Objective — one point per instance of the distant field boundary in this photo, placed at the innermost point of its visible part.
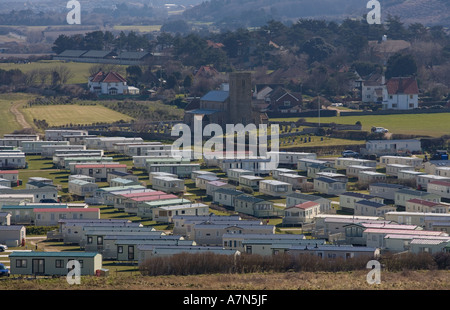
(395, 112)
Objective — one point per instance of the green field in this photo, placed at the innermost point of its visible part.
(434, 125)
(7, 120)
(57, 115)
(79, 70)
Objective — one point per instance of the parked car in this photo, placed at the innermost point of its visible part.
(3, 248)
(4, 271)
(350, 153)
(379, 130)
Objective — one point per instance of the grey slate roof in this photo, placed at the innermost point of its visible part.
(216, 95)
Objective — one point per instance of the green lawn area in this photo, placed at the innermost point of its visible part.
(433, 124)
(79, 70)
(8, 121)
(57, 115)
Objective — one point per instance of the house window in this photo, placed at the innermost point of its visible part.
(59, 263)
(120, 249)
(89, 240)
(99, 240)
(21, 263)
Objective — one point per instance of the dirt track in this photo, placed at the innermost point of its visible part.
(19, 116)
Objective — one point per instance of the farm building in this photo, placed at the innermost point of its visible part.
(12, 235)
(372, 208)
(391, 147)
(53, 263)
(275, 188)
(166, 214)
(168, 184)
(354, 170)
(393, 169)
(423, 180)
(250, 181)
(369, 177)
(253, 206)
(403, 195)
(344, 162)
(301, 213)
(298, 198)
(412, 161)
(98, 171)
(329, 186)
(82, 188)
(50, 216)
(441, 188)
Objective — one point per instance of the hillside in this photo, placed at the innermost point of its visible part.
(427, 12)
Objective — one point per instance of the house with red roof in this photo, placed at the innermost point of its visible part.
(110, 83)
(301, 213)
(401, 93)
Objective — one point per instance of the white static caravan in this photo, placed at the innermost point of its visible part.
(403, 195)
(291, 158)
(98, 171)
(144, 148)
(275, 188)
(423, 180)
(13, 160)
(250, 181)
(372, 208)
(47, 151)
(202, 180)
(180, 170)
(168, 184)
(278, 171)
(440, 188)
(259, 165)
(354, 170)
(298, 181)
(348, 199)
(418, 205)
(160, 174)
(234, 174)
(415, 218)
(225, 196)
(301, 214)
(314, 169)
(11, 175)
(393, 169)
(53, 263)
(442, 171)
(35, 147)
(369, 177)
(392, 147)
(50, 216)
(329, 186)
(82, 188)
(197, 173)
(304, 163)
(149, 162)
(408, 176)
(165, 214)
(59, 134)
(122, 147)
(344, 162)
(413, 161)
(107, 143)
(211, 187)
(253, 206)
(59, 159)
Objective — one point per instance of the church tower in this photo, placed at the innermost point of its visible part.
(240, 98)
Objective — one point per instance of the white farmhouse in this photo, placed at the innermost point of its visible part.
(111, 83)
